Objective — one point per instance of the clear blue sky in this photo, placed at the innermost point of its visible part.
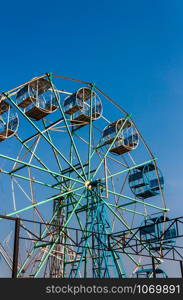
(133, 50)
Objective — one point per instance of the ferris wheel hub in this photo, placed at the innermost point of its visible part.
(87, 184)
(93, 184)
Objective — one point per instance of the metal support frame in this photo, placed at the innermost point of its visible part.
(80, 240)
(126, 240)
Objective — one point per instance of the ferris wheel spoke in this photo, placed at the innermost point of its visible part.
(56, 157)
(42, 202)
(38, 168)
(33, 154)
(134, 200)
(131, 168)
(14, 169)
(54, 151)
(68, 129)
(90, 133)
(47, 128)
(118, 207)
(36, 211)
(13, 180)
(117, 161)
(122, 188)
(28, 179)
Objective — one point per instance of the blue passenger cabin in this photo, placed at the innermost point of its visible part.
(37, 99)
(8, 121)
(158, 233)
(148, 273)
(146, 181)
(72, 104)
(126, 140)
(78, 106)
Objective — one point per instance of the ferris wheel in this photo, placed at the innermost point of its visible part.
(74, 171)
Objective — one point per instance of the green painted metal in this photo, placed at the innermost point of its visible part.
(127, 209)
(41, 202)
(67, 126)
(81, 226)
(131, 168)
(137, 201)
(120, 267)
(38, 168)
(43, 245)
(102, 261)
(28, 179)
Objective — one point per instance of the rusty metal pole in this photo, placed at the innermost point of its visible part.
(16, 248)
(181, 268)
(154, 268)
